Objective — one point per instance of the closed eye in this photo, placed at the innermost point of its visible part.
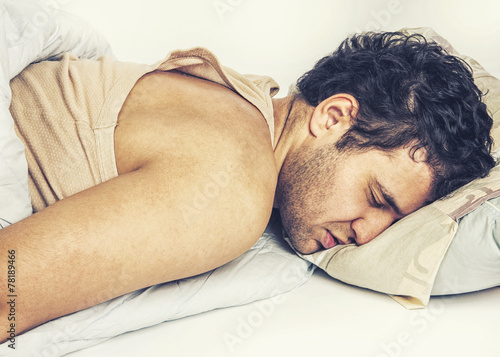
(373, 201)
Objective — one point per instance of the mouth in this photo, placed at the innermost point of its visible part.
(329, 241)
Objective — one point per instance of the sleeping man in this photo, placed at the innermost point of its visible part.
(145, 174)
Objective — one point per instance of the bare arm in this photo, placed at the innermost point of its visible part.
(133, 231)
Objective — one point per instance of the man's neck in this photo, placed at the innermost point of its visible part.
(289, 126)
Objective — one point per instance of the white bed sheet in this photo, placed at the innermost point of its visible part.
(324, 318)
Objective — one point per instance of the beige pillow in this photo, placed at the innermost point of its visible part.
(403, 261)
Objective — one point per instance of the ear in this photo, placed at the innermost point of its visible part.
(334, 114)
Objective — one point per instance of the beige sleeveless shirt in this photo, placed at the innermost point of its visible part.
(66, 112)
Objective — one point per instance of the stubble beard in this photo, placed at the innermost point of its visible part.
(303, 184)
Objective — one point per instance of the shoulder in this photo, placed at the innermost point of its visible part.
(210, 140)
(165, 109)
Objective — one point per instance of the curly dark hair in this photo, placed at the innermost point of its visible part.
(411, 92)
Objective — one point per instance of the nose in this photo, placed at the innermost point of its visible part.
(368, 227)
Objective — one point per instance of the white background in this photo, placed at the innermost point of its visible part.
(282, 38)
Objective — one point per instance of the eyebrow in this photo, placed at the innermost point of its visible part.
(389, 199)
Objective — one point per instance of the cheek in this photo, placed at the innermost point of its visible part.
(345, 198)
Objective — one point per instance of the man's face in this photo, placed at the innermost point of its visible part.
(329, 198)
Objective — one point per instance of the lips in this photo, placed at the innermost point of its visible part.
(329, 241)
